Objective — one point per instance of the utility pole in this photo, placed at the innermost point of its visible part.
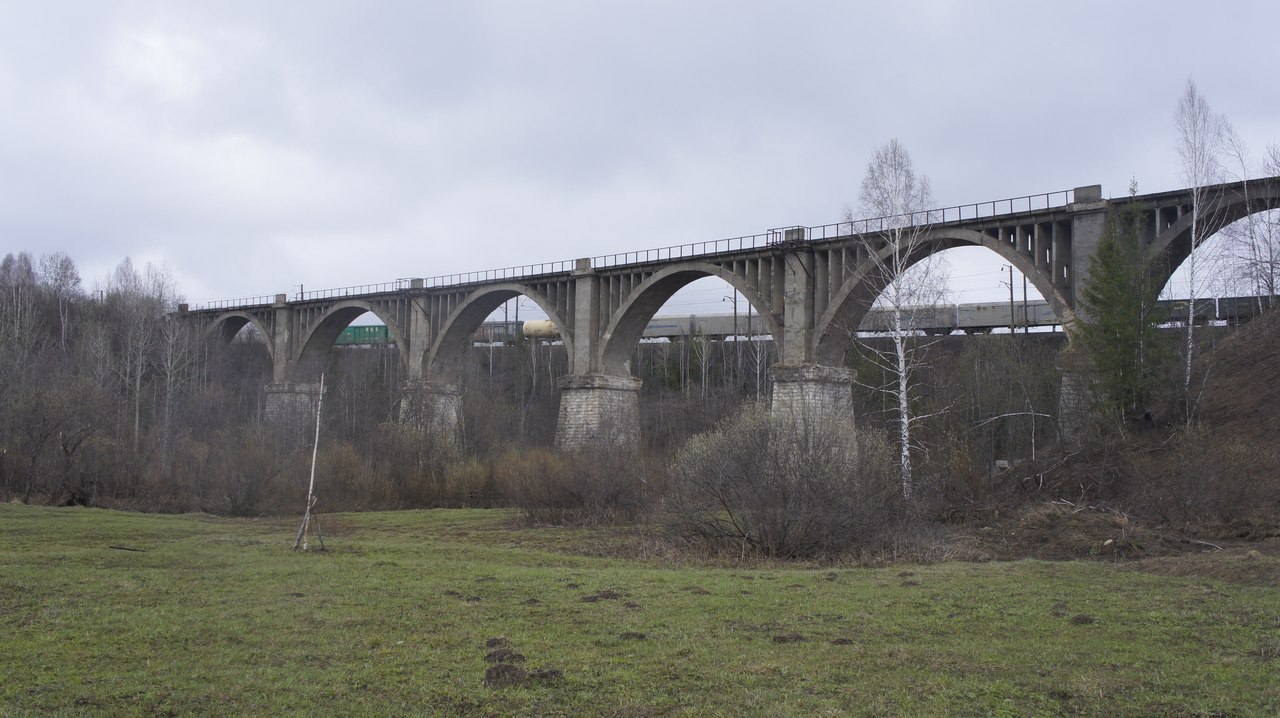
(1026, 320)
(1012, 318)
(737, 347)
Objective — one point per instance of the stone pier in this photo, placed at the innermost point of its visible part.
(1075, 394)
(435, 407)
(290, 403)
(812, 396)
(811, 390)
(598, 410)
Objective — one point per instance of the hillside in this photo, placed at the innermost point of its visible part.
(1241, 396)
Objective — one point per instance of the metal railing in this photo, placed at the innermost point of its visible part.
(682, 251)
(231, 303)
(946, 215)
(353, 290)
(942, 216)
(493, 275)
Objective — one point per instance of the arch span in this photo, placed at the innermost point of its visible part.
(453, 337)
(323, 335)
(1226, 204)
(627, 324)
(859, 292)
(226, 326)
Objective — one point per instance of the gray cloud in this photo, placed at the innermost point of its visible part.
(256, 146)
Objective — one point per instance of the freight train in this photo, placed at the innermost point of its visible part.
(939, 320)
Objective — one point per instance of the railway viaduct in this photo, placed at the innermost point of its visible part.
(810, 285)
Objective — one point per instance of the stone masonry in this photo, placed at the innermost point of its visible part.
(811, 391)
(598, 410)
(435, 407)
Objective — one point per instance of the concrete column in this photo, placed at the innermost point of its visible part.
(1088, 220)
(586, 319)
(435, 407)
(797, 289)
(419, 329)
(281, 323)
(598, 409)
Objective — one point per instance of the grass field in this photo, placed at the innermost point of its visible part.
(214, 616)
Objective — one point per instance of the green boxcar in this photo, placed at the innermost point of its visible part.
(355, 336)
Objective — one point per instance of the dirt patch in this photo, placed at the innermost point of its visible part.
(1061, 530)
(606, 595)
(789, 638)
(504, 672)
(842, 641)
(503, 675)
(1082, 619)
(503, 655)
(632, 636)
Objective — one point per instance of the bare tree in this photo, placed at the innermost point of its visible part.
(175, 362)
(1253, 242)
(911, 274)
(140, 302)
(1200, 141)
(59, 276)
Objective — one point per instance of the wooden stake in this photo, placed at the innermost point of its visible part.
(308, 516)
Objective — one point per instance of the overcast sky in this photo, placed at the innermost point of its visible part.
(255, 146)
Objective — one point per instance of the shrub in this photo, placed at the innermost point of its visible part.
(762, 483)
(1202, 481)
(589, 487)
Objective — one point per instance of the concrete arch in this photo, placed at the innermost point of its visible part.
(860, 291)
(453, 337)
(627, 324)
(1226, 205)
(322, 337)
(225, 327)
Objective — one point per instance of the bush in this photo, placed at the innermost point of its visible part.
(1203, 482)
(590, 487)
(760, 483)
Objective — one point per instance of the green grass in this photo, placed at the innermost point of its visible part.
(220, 617)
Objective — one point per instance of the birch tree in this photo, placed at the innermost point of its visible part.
(1253, 243)
(912, 276)
(61, 279)
(1200, 140)
(139, 302)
